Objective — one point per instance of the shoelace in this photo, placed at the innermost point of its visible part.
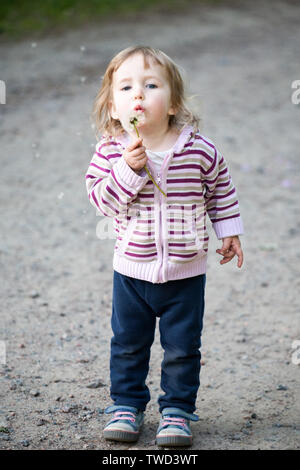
(118, 415)
(167, 421)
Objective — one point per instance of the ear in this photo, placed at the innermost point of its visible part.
(112, 110)
(172, 110)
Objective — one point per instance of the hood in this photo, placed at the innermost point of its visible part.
(185, 136)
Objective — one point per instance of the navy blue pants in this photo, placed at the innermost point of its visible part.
(136, 304)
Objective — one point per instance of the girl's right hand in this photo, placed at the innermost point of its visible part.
(135, 155)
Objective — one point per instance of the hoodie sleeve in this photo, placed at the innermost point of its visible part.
(111, 183)
(221, 198)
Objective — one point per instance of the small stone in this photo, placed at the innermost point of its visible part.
(282, 387)
(96, 384)
(34, 294)
(244, 431)
(34, 393)
(69, 408)
(264, 284)
(254, 416)
(41, 422)
(25, 443)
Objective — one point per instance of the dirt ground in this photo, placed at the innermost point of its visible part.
(57, 275)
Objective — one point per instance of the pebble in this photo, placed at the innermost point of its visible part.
(96, 384)
(34, 393)
(41, 422)
(34, 294)
(282, 387)
(25, 443)
(69, 408)
(244, 431)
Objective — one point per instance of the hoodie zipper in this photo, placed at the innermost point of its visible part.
(160, 231)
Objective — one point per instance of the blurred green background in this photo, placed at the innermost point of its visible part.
(21, 18)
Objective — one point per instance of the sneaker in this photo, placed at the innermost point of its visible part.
(174, 428)
(125, 425)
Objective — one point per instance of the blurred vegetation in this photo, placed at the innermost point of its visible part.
(21, 18)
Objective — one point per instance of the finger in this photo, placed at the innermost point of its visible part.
(227, 257)
(226, 260)
(136, 143)
(240, 258)
(138, 161)
(226, 245)
(140, 151)
(222, 252)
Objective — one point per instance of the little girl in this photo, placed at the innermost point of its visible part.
(157, 177)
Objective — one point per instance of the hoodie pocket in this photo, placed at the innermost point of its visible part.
(183, 241)
(127, 235)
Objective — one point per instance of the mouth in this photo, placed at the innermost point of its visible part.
(138, 108)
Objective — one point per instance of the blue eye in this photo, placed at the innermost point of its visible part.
(149, 85)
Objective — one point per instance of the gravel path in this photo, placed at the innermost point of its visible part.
(57, 275)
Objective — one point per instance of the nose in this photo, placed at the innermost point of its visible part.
(138, 93)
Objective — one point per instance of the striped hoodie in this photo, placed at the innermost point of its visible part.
(160, 238)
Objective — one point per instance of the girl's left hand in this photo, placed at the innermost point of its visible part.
(231, 247)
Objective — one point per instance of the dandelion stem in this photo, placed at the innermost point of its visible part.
(133, 121)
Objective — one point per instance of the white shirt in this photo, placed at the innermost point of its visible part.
(157, 157)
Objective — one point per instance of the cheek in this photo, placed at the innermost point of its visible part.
(161, 102)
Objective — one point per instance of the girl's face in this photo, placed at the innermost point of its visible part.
(134, 86)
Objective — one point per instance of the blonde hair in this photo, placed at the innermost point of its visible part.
(107, 126)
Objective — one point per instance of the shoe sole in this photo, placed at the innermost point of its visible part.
(123, 436)
(174, 441)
